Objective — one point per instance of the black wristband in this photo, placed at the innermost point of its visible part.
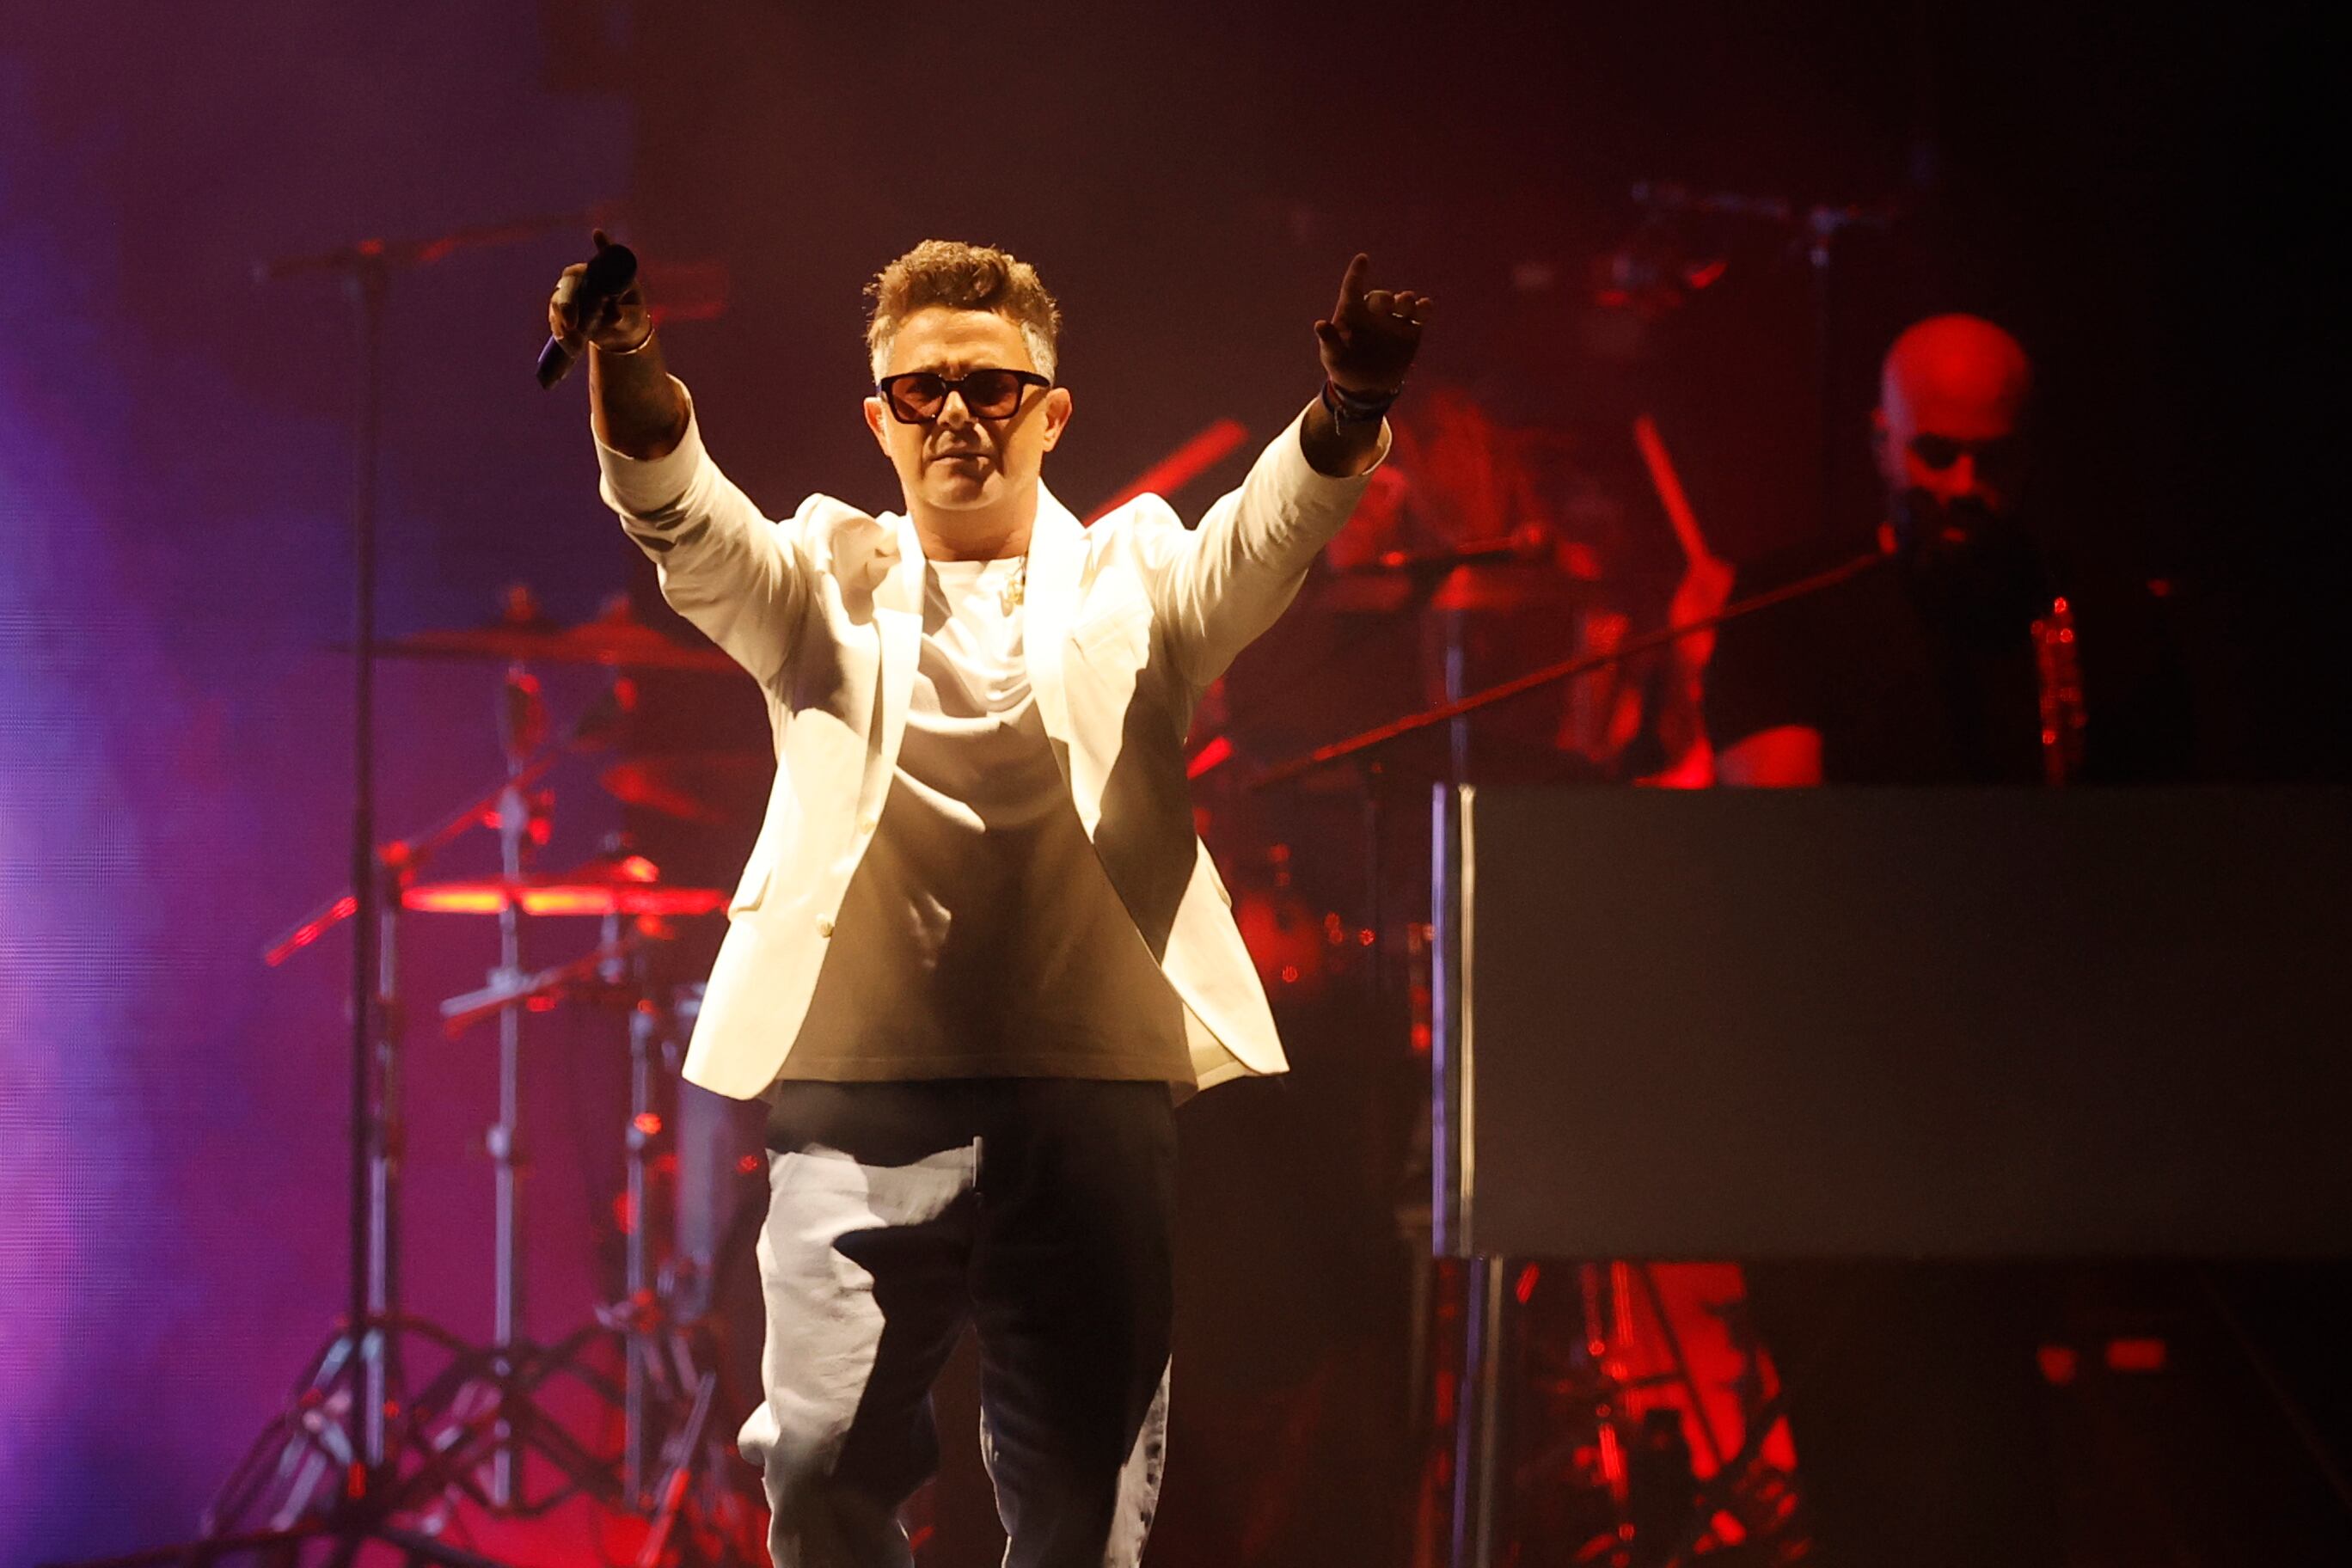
(1354, 408)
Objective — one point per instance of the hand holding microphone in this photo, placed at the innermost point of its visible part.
(596, 301)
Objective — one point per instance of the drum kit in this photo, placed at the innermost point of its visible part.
(630, 1411)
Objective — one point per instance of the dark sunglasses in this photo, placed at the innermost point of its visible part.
(1938, 453)
(918, 396)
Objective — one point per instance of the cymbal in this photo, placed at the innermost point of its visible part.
(626, 886)
(615, 639)
(719, 788)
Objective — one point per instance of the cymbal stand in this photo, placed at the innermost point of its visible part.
(645, 1123)
(678, 1474)
(617, 961)
(694, 1452)
(489, 1395)
(354, 1397)
(521, 730)
(292, 1466)
(486, 1400)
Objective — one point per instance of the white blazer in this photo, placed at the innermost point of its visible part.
(1127, 624)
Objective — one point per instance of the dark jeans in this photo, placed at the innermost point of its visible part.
(1043, 1211)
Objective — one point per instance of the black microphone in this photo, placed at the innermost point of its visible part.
(610, 275)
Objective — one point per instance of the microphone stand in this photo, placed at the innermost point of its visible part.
(1460, 709)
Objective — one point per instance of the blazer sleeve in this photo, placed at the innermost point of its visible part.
(739, 577)
(1217, 588)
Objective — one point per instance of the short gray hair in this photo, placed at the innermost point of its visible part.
(961, 277)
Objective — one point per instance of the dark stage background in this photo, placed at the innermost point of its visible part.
(2123, 185)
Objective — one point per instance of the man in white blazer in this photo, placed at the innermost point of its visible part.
(978, 951)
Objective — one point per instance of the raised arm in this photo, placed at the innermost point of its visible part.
(722, 564)
(1226, 582)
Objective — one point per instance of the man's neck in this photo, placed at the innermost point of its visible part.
(989, 534)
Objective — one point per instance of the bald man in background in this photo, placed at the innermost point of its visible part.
(1921, 668)
(1922, 1424)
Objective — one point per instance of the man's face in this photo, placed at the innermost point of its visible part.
(1951, 398)
(1955, 455)
(956, 461)
(1949, 434)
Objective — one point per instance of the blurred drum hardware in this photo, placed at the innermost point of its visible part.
(465, 1425)
(625, 884)
(1608, 1465)
(1465, 559)
(1462, 565)
(677, 1460)
(1299, 953)
(715, 789)
(1618, 1488)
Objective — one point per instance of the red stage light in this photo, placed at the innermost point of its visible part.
(1180, 467)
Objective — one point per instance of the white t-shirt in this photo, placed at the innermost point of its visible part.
(979, 936)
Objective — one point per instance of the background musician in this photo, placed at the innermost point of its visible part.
(1920, 1418)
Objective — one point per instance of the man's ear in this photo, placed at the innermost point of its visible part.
(875, 415)
(1058, 414)
(1878, 447)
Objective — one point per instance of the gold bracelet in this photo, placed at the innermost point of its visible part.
(636, 348)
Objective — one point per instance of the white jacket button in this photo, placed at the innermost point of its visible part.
(868, 824)
(824, 927)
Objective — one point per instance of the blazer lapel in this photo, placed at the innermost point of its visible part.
(1057, 556)
(899, 611)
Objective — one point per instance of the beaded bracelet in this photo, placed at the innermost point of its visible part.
(1354, 408)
